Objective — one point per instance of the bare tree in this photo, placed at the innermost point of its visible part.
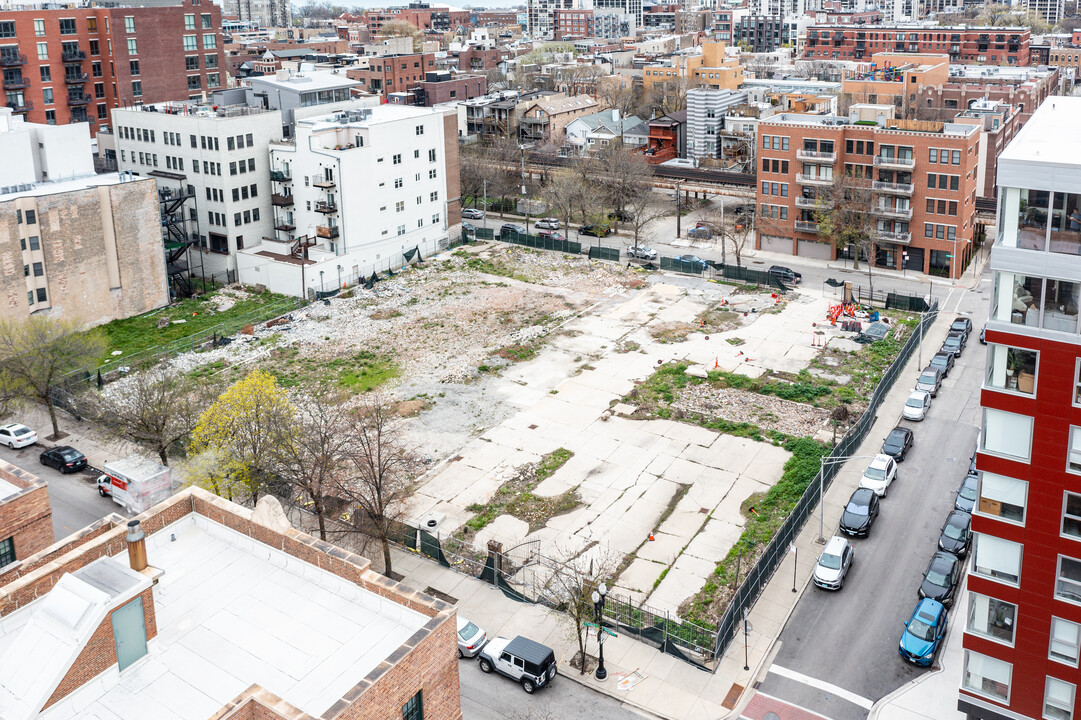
(845, 215)
(730, 229)
(668, 96)
(401, 28)
(158, 407)
(377, 481)
(643, 208)
(626, 177)
(763, 65)
(474, 171)
(496, 80)
(36, 355)
(561, 195)
(570, 590)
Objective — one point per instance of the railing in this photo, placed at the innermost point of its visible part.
(901, 238)
(816, 156)
(327, 231)
(903, 213)
(79, 99)
(285, 227)
(891, 161)
(808, 227)
(17, 108)
(279, 176)
(10, 59)
(281, 200)
(806, 202)
(324, 184)
(813, 179)
(16, 83)
(76, 79)
(73, 56)
(891, 187)
(325, 207)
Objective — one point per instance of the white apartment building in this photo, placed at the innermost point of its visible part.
(36, 153)
(262, 13)
(706, 108)
(356, 192)
(1050, 10)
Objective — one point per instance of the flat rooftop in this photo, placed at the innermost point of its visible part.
(232, 612)
(70, 185)
(1050, 137)
(997, 72)
(366, 117)
(305, 82)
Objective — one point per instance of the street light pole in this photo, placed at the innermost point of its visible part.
(485, 211)
(339, 277)
(677, 208)
(598, 612)
(322, 287)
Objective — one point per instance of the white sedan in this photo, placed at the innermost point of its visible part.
(470, 638)
(879, 475)
(17, 436)
(473, 214)
(917, 405)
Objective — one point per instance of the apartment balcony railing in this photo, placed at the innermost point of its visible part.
(325, 207)
(73, 56)
(807, 227)
(24, 107)
(76, 78)
(12, 59)
(279, 176)
(285, 227)
(79, 99)
(324, 183)
(16, 83)
(281, 200)
(813, 180)
(812, 203)
(892, 187)
(900, 238)
(816, 156)
(902, 213)
(889, 161)
(329, 232)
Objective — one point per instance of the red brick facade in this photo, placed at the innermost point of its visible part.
(26, 517)
(572, 24)
(82, 56)
(393, 73)
(984, 45)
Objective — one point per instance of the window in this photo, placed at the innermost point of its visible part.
(1065, 641)
(991, 618)
(213, 80)
(39, 28)
(1003, 497)
(932, 155)
(95, 68)
(397, 159)
(47, 96)
(67, 26)
(987, 676)
(207, 24)
(129, 24)
(211, 61)
(1006, 433)
(1068, 585)
(39, 269)
(209, 41)
(420, 128)
(191, 42)
(46, 74)
(996, 558)
(399, 206)
(133, 46)
(35, 244)
(189, 22)
(401, 229)
(397, 182)
(7, 29)
(191, 62)
(31, 217)
(431, 155)
(955, 158)
(248, 140)
(7, 547)
(432, 174)
(95, 47)
(43, 51)
(42, 295)
(195, 82)
(137, 88)
(236, 219)
(1058, 699)
(432, 197)
(134, 67)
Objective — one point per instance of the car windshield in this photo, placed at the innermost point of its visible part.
(857, 508)
(927, 378)
(954, 531)
(832, 562)
(968, 489)
(921, 630)
(915, 402)
(468, 631)
(940, 360)
(875, 473)
(895, 438)
(951, 341)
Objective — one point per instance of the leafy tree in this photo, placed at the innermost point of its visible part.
(644, 208)
(247, 423)
(37, 354)
(158, 407)
(400, 28)
(845, 215)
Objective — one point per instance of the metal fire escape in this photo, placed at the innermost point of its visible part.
(176, 203)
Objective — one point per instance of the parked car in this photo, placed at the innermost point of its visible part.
(643, 252)
(966, 494)
(64, 458)
(693, 260)
(962, 324)
(944, 362)
(473, 214)
(746, 209)
(620, 215)
(879, 475)
(930, 380)
(547, 224)
(511, 228)
(956, 535)
(972, 460)
(520, 659)
(924, 633)
(983, 335)
(954, 344)
(833, 564)
(550, 234)
(785, 274)
(700, 233)
(468, 227)
(897, 443)
(599, 230)
(917, 405)
(470, 638)
(17, 436)
(940, 578)
(860, 513)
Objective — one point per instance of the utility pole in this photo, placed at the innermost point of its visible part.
(485, 218)
(723, 232)
(677, 208)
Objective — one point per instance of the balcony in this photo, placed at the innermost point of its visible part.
(79, 99)
(899, 238)
(12, 59)
(889, 161)
(325, 207)
(816, 156)
(324, 184)
(279, 176)
(893, 188)
(903, 214)
(16, 83)
(329, 232)
(76, 78)
(285, 227)
(24, 107)
(812, 203)
(281, 200)
(73, 56)
(807, 227)
(813, 180)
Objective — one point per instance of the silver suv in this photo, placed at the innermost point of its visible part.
(520, 659)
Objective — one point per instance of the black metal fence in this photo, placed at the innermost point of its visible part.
(763, 570)
(690, 267)
(541, 243)
(599, 252)
(738, 273)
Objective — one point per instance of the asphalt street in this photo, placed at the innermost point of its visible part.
(74, 497)
(838, 651)
(494, 697)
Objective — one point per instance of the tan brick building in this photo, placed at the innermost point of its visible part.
(923, 176)
(26, 518)
(200, 608)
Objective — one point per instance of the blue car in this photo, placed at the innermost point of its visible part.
(924, 634)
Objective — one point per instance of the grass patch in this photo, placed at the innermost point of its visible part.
(735, 341)
(515, 497)
(386, 314)
(671, 332)
(357, 373)
(496, 267)
(517, 353)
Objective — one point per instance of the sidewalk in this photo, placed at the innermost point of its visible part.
(639, 675)
(80, 435)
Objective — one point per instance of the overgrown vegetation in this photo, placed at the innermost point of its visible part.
(358, 373)
(515, 497)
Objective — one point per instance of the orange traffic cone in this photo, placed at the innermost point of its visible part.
(651, 538)
(716, 364)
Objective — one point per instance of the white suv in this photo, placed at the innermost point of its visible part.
(520, 659)
(879, 475)
(17, 436)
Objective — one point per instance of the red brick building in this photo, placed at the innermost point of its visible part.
(1027, 88)
(75, 65)
(26, 518)
(393, 73)
(572, 24)
(419, 15)
(441, 87)
(964, 44)
(923, 178)
(477, 59)
(499, 18)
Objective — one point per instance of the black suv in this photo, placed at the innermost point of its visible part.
(511, 228)
(520, 659)
(860, 513)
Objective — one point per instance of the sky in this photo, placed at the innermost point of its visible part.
(397, 3)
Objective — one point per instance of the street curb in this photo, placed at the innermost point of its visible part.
(603, 690)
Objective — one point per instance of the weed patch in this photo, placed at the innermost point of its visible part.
(515, 497)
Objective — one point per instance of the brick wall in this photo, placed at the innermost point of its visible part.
(454, 180)
(24, 565)
(26, 517)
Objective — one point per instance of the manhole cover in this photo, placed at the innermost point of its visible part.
(771, 716)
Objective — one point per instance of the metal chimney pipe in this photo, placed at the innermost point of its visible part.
(136, 546)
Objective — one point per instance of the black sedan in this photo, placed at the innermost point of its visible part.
(956, 535)
(600, 230)
(64, 458)
(785, 274)
(860, 513)
(940, 579)
(954, 344)
(898, 443)
(966, 494)
(962, 324)
(944, 361)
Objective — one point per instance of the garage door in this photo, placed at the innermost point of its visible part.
(774, 243)
(913, 259)
(814, 249)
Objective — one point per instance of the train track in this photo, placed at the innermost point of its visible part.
(700, 175)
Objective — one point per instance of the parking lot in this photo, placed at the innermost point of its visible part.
(838, 654)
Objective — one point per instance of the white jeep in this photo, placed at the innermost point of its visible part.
(520, 659)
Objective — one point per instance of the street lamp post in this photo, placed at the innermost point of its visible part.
(829, 460)
(339, 277)
(598, 611)
(677, 208)
(485, 211)
(322, 287)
